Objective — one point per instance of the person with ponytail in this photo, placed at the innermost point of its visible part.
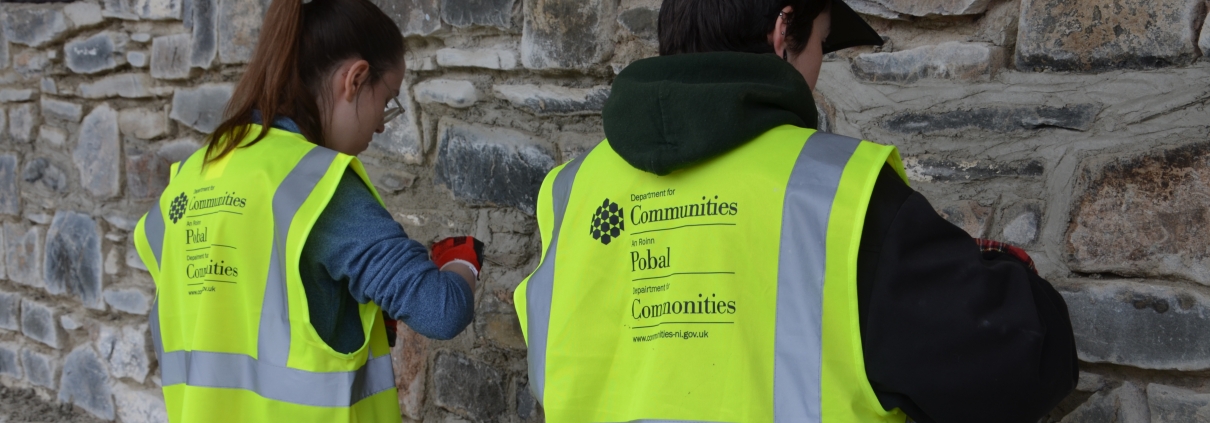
(277, 267)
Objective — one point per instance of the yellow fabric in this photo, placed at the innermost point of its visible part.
(215, 265)
(599, 365)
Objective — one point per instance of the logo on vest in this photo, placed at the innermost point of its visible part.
(608, 222)
(177, 211)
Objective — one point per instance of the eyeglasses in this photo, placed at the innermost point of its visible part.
(394, 109)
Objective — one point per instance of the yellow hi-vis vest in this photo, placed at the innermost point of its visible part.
(230, 323)
(725, 292)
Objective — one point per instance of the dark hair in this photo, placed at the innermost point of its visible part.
(701, 26)
(300, 45)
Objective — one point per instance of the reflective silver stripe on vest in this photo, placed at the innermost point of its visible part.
(798, 347)
(269, 376)
(153, 229)
(274, 340)
(238, 371)
(541, 286)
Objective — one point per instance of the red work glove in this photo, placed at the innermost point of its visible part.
(463, 249)
(987, 245)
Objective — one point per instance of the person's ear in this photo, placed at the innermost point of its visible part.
(354, 79)
(778, 37)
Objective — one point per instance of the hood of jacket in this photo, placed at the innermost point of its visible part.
(671, 112)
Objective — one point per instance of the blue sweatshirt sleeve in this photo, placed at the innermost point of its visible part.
(356, 240)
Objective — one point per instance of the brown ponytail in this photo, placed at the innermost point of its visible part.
(300, 45)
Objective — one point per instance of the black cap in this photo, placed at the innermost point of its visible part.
(849, 30)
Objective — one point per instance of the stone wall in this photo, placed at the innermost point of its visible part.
(1076, 129)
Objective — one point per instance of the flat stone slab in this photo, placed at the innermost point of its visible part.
(545, 100)
(934, 7)
(98, 154)
(491, 165)
(567, 34)
(40, 369)
(454, 93)
(1077, 117)
(489, 58)
(1170, 404)
(86, 384)
(73, 258)
(10, 194)
(201, 108)
(23, 254)
(1101, 35)
(39, 322)
(468, 387)
(948, 60)
(170, 56)
(464, 13)
(34, 26)
(1144, 216)
(239, 26)
(1144, 326)
(95, 54)
(10, 311)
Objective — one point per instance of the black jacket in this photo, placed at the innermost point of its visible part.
(950, 334)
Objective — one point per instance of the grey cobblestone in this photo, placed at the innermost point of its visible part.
(23, 254)
(98, 154)
(86, 383)
(10, 311)
(73, 258)
(40, 323)
(40, 369)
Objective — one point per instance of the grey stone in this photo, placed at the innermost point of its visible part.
(642, 22)
(49, 86)
(468, 387)
(62, 110)
(99, 152)
(139, 406)
(1150, 327)
(170, 56)
(936, 7)
(1204, 41)
(1124, 404)
(10, 364)
(527, 407)
(23, 254)
(205, 33)
(948, 60)
(875, 8)
(22, 120)
(401, 137)
(83, 15)
(52, 136)
(1100, 35)
(464, 13)
(554, 100)
(491, 165)
(1169, 404)
(30, 62)
(1143, 216)
(495, 320)
(10, 311)
(178, 150)
(94, 54)
(120, 9)
(34, 26)
(491, 58)
(73, 258)
(1076, 117)
(137, 59)
(86, 384)
(567, 34)
(1022, 230)
(239, 27)
(143, 123)
(45, 172)
(140, 37)
(453, 93)
(414, 17)
(125, 350)
(201, 108)
(126, 85)
(157, 9)
(146, 173)
(933, 169)
(112, 268)
(14, 96)
(40, 323)
(131, 301)
(132, 259)
(10, 194)
(40, 369)
(70, 322)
